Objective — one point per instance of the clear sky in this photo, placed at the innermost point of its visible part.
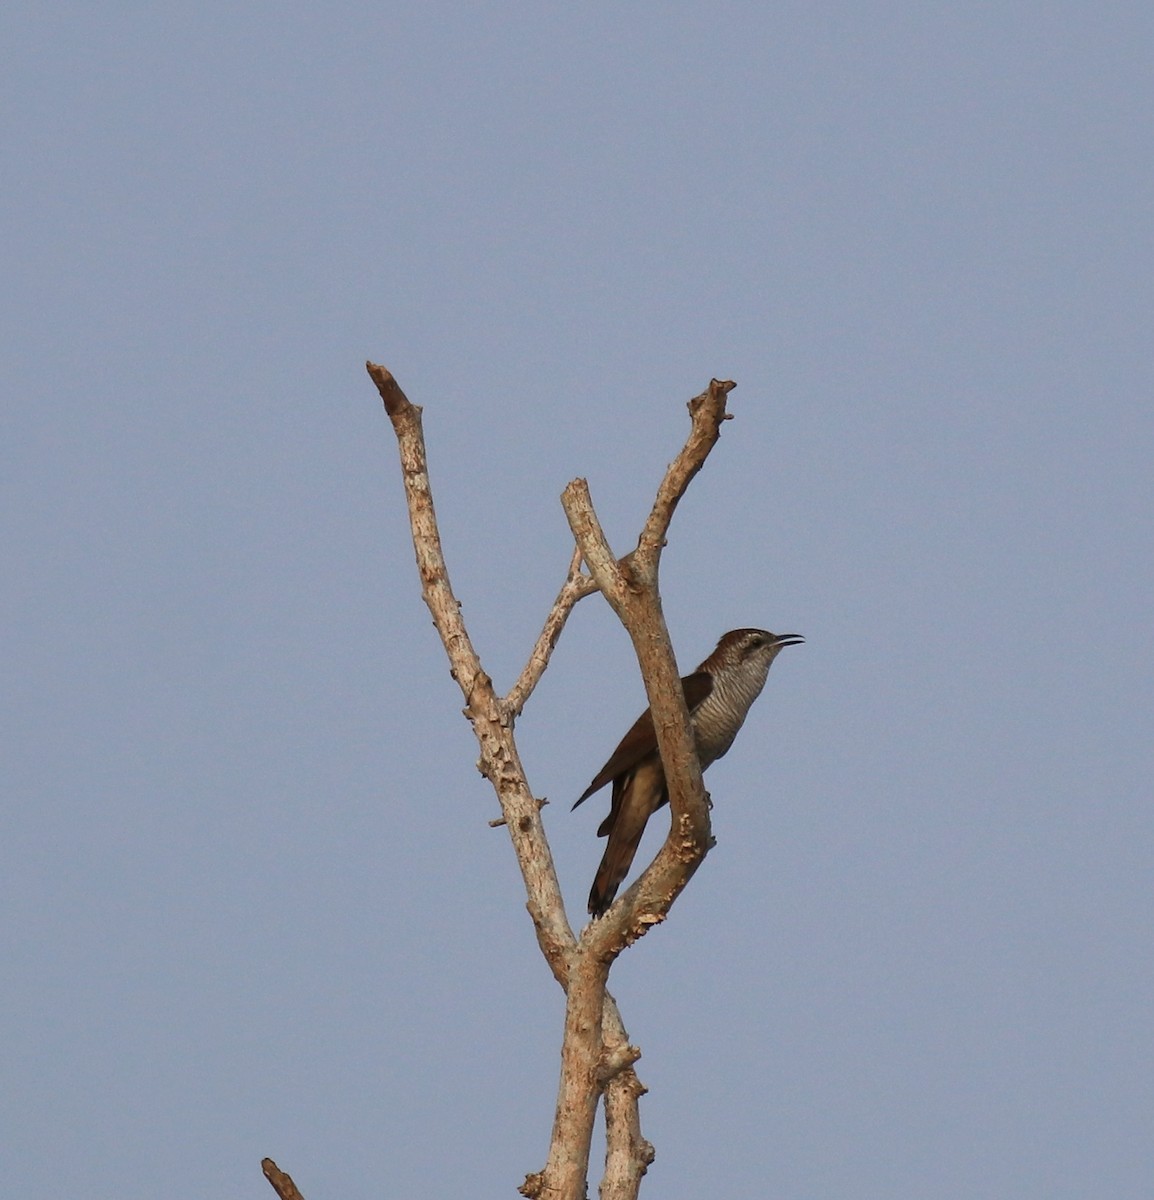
(251, 905)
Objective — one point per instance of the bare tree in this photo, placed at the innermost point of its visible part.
(597, 1058)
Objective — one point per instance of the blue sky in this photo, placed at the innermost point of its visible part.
(252, 905)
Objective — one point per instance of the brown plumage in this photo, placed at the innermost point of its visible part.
(718, 695)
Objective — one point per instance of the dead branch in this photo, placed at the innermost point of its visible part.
(707, 412)
(627, 1154)
(500, 762)
(282, 1183)
(576, 585)
(631, 587)
(597, 1057)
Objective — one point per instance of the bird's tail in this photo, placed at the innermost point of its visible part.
(624, 838)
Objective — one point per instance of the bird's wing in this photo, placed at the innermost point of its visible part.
(641, 740)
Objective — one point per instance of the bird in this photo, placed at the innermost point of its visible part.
(718, 695)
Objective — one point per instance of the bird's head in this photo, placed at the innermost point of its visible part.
(749, 648)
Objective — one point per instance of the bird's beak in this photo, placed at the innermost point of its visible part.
(788, 639)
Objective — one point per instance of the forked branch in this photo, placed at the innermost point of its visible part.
(597, 1057)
